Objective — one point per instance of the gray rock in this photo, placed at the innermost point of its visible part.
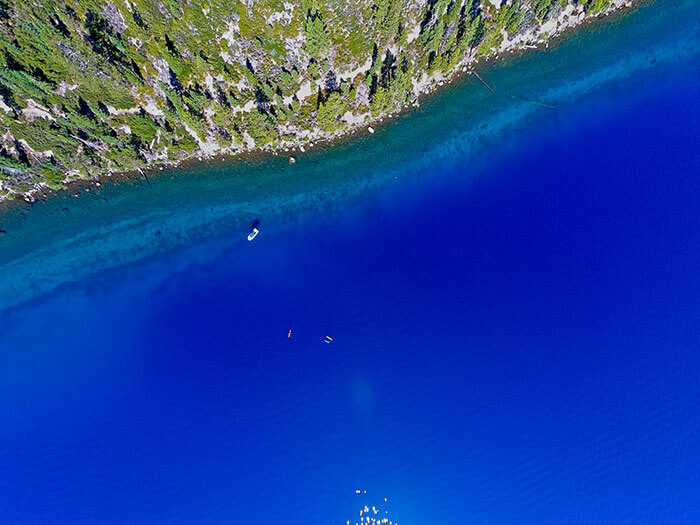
(114, 17)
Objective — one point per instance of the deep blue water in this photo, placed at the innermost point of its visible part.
(516, 340)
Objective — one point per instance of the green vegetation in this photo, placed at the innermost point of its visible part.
(317, 39)
(593, 7)
(329, 113)
(542, 8)
(387, 17)
(88, 86)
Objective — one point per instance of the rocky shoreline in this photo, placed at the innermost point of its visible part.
(533, 38)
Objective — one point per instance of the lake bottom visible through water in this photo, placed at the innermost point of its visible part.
(510, 340)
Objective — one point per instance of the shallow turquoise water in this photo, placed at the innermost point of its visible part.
(512, 293)
(461, 128)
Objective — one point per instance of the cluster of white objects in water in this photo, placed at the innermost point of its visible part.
(373, 515)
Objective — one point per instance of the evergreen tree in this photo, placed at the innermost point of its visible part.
(317, 39)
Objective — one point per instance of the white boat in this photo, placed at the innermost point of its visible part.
(253, 233)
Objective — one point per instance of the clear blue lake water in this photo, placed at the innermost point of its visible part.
(513, 294)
